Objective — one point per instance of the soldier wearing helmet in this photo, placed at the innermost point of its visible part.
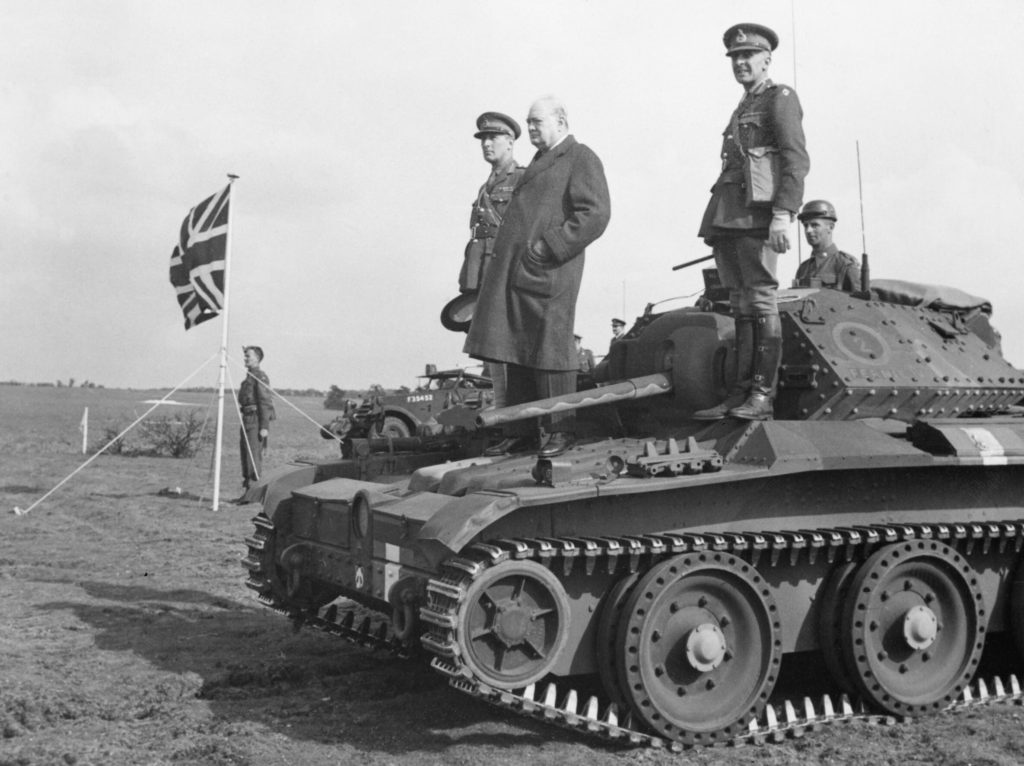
(828, 266)
(753, 202)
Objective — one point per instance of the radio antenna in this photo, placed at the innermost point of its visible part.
(865, 272)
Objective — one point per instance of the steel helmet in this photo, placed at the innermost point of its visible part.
(818, 208)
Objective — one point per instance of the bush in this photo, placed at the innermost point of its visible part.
(336, 399)
(110, 435)
(180, 436)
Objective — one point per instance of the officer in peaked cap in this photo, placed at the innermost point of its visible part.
(747, 220)
(828, 266)
(497, 133)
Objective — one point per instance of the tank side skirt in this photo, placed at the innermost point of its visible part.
(628, 554)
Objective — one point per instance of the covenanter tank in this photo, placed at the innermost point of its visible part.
(648, 585)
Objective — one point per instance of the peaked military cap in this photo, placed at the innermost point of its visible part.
(489, 123)
(749, 37)
(818, 208)
(617, 321)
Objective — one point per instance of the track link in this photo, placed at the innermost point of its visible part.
(601, 718)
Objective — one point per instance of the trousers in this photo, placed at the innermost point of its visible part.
(251, 448)
(527, 384)
(746, 265)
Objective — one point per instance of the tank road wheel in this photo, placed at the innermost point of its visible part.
(700, 647)
(607, 630)
(914, 627)
(830, 624)
(513, 624)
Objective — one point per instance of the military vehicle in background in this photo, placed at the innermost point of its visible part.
(647, 585)
(413, 413)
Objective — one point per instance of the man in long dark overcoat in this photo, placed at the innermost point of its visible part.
(527, 306)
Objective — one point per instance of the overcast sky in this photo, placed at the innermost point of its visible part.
(351, 128)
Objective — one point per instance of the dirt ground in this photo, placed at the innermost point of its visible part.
(127, 636)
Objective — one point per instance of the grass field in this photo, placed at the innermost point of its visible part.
(127, 635)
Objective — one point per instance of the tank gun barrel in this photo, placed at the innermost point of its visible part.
(631, 388)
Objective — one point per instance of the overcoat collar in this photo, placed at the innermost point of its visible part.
(544, 160)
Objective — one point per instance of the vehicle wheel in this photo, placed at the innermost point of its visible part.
(395, 427)
(607, 629)
(699, 647)
(513, 624)
(914, 627)
(833, 597)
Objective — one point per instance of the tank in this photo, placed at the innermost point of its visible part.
(651, 585)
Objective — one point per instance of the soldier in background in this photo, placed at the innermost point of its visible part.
(747, 220)
(828, 266)
(257, 406)
(618, 328)
(497, 133)
(585, 374)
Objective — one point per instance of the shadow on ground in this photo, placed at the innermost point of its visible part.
(254, 668)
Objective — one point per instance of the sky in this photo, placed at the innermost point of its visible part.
(350, 126)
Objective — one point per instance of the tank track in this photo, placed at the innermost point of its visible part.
(602, 718)
(375, 634)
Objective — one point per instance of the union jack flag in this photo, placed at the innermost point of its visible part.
(197, 262)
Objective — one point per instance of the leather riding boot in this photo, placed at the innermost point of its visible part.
(744, 369)
(767, 355)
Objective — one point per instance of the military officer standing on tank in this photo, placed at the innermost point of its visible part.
(828, 266)
(497, 133)
(257, 406)
(747, 221)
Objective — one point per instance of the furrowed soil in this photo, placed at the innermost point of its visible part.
(127, 635)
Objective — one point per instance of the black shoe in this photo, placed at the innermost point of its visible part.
(511, 444)
(557, 443)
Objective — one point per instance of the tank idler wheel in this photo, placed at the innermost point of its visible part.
(914, 627)
(607, 629)
(830, 624)
(699, 647)
(513, 624)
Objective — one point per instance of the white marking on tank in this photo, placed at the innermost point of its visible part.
(990, 450)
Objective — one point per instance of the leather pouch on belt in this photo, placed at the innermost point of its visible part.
(761, 175)
(471, 274)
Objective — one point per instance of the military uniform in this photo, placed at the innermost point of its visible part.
(488, 210)
(769, 116)
(257, 406)
(766, 125)
(833, 268)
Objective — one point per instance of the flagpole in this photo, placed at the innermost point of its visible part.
(223, 349)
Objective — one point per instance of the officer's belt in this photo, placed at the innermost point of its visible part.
(484, 231)
(249, 409)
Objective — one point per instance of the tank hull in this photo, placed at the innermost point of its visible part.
(877, 522)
